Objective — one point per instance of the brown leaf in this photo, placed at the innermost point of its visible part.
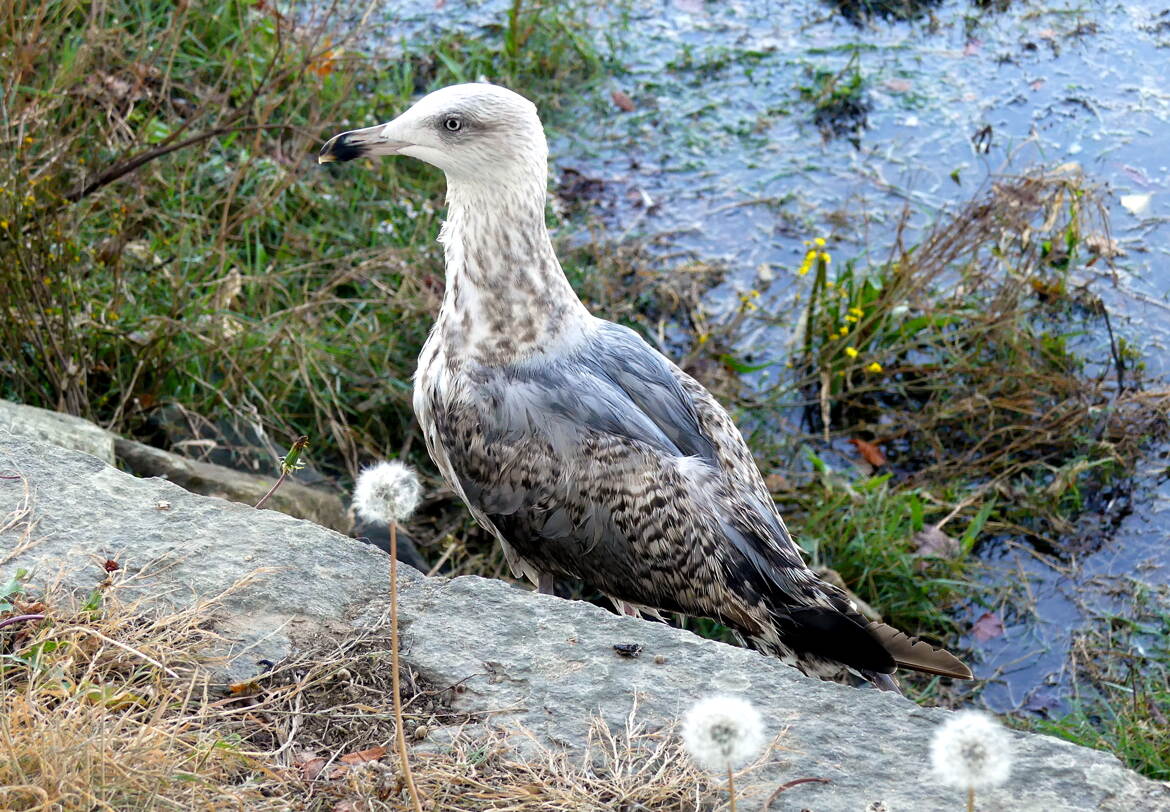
(310, 765)
(623, 101)
(898, 85)
(930, 541)
(987, 627)
(777, 483)
(360, 756)
(869, 452)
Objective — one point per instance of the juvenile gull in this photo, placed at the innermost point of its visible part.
(580, 447)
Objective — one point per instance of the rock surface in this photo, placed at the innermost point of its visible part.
(64, 430)
(291, 498)
(524, 659)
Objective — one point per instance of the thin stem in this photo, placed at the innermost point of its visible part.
(731, 787)
(400, 734)
(970, 799)
(272, 490)
(8, 621)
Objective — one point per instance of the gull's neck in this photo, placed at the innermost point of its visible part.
(506, 298)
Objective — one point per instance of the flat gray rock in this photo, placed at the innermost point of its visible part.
(64, 430)
(209, 479)
(524, 659)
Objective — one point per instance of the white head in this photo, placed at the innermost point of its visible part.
(473, 132)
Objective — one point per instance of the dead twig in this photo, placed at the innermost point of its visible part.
(783, 787)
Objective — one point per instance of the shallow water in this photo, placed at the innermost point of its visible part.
(721, 152)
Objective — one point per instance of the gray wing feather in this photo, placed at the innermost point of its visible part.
(587, 467)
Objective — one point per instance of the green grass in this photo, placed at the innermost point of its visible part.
(221, 274)
(1122, 701)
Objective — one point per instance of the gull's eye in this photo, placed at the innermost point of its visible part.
(452, 124)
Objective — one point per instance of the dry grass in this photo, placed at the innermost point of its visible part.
(90, 718)
(104, 705)
(631, 768)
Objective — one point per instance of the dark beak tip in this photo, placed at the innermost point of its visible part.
(340, 148)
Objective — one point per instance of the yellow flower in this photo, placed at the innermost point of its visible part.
(851, 352)
(4, 225)
(820, 242)
(857, 311)
(844, 331)
(825, 256)
(829, 283)
(874, 367)
(806, 266)
(703, 338)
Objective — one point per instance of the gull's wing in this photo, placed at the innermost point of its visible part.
(612, 466)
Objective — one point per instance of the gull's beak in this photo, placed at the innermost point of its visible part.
(371, 141)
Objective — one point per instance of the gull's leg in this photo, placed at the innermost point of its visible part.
(545, 585)
(885, 682)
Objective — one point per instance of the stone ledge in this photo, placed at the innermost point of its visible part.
(532, 660)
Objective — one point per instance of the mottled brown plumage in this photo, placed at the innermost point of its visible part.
(587, 453)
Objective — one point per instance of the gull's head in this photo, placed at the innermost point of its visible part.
(473, 132)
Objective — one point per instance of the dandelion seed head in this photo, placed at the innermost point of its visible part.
(971, 750)
(386, 492)
(723, 732)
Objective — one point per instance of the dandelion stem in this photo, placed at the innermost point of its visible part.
(400, 734)
(731, 787)
(970, 799)
(272, 490)
(288, 463)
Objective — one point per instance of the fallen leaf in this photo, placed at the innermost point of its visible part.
(897, 85)
(310, 765)
(361, 756)
(111, 565)
(323, 64)
(987, 627)
(777, 483)
(934, 542)
(623, 101)
(869, 452)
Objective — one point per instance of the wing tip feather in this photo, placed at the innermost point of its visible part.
(918, 655)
